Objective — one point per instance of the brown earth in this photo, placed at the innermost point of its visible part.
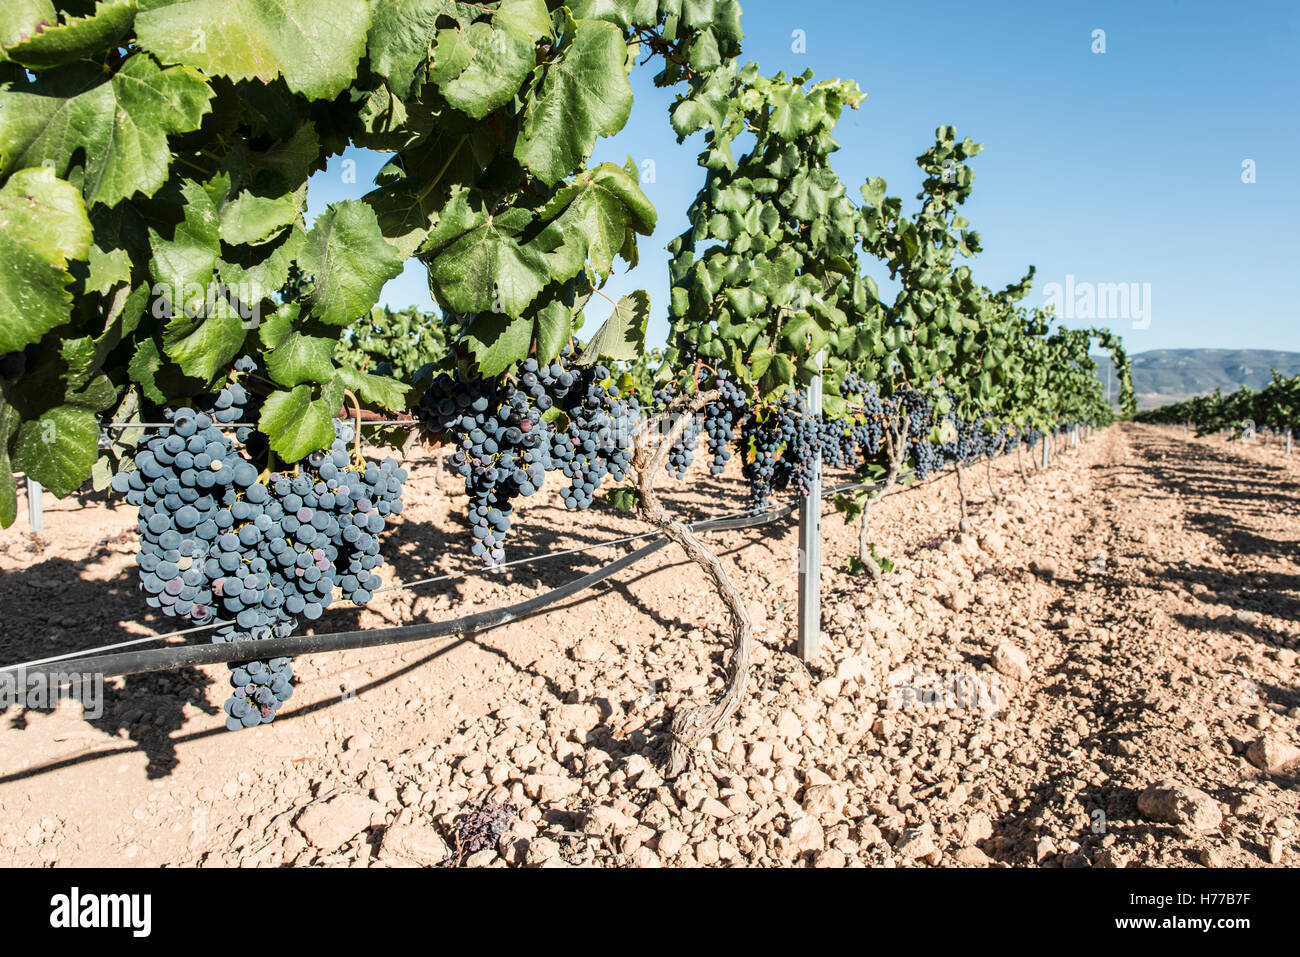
(1092, 679)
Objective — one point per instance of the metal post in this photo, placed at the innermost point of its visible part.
(1044, 450)
(35, 516)
(1288, 441)
(810, 547)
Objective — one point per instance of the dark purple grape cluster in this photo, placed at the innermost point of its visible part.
(253, 553)
(505, 447)
(501, 445)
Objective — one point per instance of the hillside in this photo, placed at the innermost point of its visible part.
(1170, 375)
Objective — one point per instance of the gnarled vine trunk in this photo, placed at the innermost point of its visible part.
(690, 725)
(896, 444)
(988, 469)
(964, 525)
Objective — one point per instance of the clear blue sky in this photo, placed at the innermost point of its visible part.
(1123, 166)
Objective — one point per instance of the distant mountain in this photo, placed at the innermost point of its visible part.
(1171, 375)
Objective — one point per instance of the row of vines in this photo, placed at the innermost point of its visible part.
(154, 164)
(1276, 406)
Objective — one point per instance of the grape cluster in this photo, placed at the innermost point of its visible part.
(500, 445)
(504, 446)
(717, 420)
(222, 544)
(781, 443)
(260, 688)
(599, 438)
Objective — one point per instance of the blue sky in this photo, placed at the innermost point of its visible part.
(1115, 167)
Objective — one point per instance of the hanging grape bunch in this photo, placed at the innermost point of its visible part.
(504, 446)
(251, 552)
(717, 420)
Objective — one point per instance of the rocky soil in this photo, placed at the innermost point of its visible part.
(1103, 675)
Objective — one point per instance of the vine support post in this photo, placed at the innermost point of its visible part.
(1044, 450)
(1288, 441)
(810, 544)
(35, 507)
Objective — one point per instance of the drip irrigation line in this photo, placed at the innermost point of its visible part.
(191, 655)
(120, 644)
(185, 656)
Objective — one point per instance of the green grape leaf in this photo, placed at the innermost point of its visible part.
(314, 44)
(401, 35)
(301, 358)
(373, 389)
(553, 326)
(256, 272)
(43, 225)
(204, 344)
(622, 337)
(120, 121)
(75, 37)
(404, 215)
(491, 60)
(296, 425)
(583, 94)
(476, 263)
(144, 367)
(8, 489)
(249, 218)
(350, 260)
(591, 219)
(182, 266)
(59, 448)
(497, 341)
(21, 19)
(624, 498)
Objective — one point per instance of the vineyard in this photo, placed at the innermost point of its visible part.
(262, 473)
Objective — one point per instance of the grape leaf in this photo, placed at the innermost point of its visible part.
(497, 341)
(43, 225)
(296, 424)
(20, 19)
(350, 260)
(623, 334)
(593, 218)
(59, 448)
(249, 218)
(488, 61)
(75, 37)
(314, 44)
(8, 490)
(301, 358)
(121, 122)
(476, 263)
(375, 389)
(583, 94)
(182, 266)
(400, 37)
(202, 345)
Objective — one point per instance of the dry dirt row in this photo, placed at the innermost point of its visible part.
(1103, 674)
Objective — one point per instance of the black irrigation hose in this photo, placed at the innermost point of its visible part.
(184, 656)
(193, 655)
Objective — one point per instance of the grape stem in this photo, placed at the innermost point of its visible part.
(690, 726)
(988, 465)
(964, 525)
(356, 439)
(896, 447)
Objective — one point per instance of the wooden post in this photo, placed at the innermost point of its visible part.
(810, 547)
(35, 514)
